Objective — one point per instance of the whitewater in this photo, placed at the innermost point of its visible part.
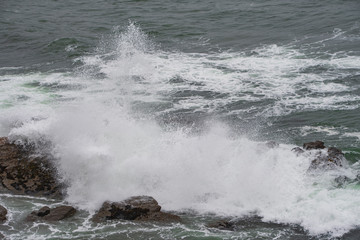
(133, 119)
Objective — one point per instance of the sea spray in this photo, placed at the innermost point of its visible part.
(104, 155)
(106, 150)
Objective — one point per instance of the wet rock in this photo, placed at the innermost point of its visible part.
(298, 150)
(222, 225)
(314, 145)
(141, 208)
(24, 172)
(159, 217)
(51, 214)
(324, 158)
(3, 213)
(43, 211)
(353, 234)
(332, 158)
(334, 152)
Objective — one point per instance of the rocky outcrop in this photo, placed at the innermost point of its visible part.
(24, 172)
(139, 208)
(333, 157)
(51, 214)
(324, 158)
(3, 213)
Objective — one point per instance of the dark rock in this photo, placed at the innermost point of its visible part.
(51, 214)
(325, 159)
(314, 145)
(141, 208)
(3, 213)
(222, 225)
(332, 151)
(353, 234)
(129, 209)
(331, 159)
(60, 213)
(43, 211)
(298, 150)
(272, 144)
(24, 172)
(159, 217)
(335, 156)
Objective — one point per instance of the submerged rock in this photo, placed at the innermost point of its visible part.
(251, 222)
(24, 172)
(222, 225)
(3, 213)
(342, 180)
(140, 208)
(51, 214)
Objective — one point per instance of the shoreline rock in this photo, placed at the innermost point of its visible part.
(3, 213)
(24, 172)
(51, 214)
(324, 158)
(314, 145)
(138, 208)
(222, 225)
(332, 158)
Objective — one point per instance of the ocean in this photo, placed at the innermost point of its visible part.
(177, 100)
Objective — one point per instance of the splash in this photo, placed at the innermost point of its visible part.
(105, 151)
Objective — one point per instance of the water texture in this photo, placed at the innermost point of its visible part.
(176, 100)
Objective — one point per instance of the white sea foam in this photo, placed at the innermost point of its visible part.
(352, 134)
(271, 72)
(134, 70)
(306, 130)
(104, 153)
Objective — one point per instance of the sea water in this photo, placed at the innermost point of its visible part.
(177, 101)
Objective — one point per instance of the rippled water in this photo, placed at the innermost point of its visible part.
(176, 100)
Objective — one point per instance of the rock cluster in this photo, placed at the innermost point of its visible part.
(24, 172)
(51, 214)
(140, 208)
(324, 158)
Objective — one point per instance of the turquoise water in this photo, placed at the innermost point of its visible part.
(176, 100)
